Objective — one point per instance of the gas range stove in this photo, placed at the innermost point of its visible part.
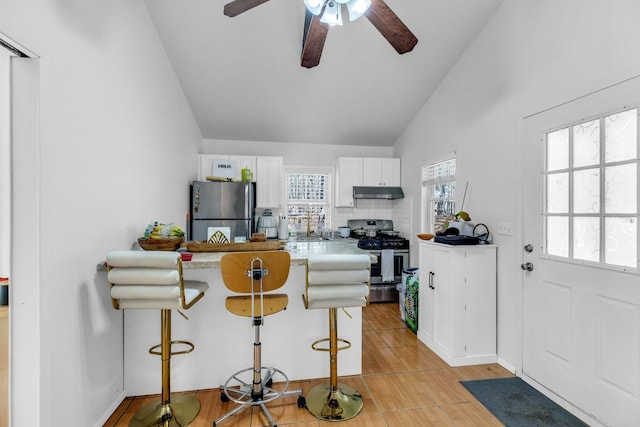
(376, 234)
(382, 242)
(377, 237)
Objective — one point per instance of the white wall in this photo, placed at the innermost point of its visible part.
(533, 55)
(117, 149)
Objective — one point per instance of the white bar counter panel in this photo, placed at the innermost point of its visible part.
(224, 342)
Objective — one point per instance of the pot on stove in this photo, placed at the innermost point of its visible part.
(359, 232)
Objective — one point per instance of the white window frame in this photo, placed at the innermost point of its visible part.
(327, 203)
(428, 214)
(601, 215)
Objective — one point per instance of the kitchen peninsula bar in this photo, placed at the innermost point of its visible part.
(223, 343)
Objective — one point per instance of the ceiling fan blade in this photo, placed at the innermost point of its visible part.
(315, 33)
(391, 27)
(237, 7)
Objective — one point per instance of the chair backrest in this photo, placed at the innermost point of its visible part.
(146, 279)
(340, 280)
(236, 266)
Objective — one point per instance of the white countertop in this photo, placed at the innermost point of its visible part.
(298, 256)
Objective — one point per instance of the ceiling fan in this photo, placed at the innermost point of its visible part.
(315, 30)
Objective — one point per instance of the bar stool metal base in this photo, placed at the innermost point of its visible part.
(341, 404)
(180, 411)
(239, 388)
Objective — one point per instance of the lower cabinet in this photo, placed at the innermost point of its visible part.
(457, 302)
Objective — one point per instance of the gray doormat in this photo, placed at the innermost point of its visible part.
(516, 404)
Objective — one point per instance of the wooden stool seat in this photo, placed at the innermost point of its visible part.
(241, 305)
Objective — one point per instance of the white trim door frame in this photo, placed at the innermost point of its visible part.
(580, 321)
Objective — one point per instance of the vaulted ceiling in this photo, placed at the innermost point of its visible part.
(243, 79)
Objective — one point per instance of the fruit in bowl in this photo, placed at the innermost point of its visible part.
(161, 237)
(168, 244)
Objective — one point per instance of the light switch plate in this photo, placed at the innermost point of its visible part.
(505, 228)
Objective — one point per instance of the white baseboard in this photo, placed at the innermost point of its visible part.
(508, 366)
(112, 408)
(592, 422)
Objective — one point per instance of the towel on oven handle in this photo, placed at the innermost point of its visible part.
(386, 265)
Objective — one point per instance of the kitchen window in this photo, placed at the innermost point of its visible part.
(309, 197)
(591, 190)
(438, 192)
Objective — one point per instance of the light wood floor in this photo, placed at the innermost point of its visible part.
(403, 384)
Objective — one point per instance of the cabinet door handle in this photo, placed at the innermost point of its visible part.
(431, 274)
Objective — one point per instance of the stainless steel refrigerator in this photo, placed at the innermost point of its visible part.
(222, 204)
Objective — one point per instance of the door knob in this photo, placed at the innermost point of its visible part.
(528, 247)
(527, 266)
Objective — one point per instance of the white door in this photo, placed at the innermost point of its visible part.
(581, 299)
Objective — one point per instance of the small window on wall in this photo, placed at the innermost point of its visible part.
(309, 197)
(591, 190)
(438, 192)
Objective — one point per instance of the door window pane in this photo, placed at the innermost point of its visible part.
(558, 236)
(558, 193)
(621, 241)
(558, 150)
(591, 193)
(586, 144)
(621, 136)
(586, 239)
(620, 189)
(586, 191)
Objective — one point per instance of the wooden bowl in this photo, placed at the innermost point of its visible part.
(426, 236)
(168, 244)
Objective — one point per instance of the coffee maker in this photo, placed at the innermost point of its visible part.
(268, 224)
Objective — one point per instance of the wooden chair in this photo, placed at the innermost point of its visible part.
(255, 275)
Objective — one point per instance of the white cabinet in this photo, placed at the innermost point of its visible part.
(269, 176)
(457, 302)
(377, 172)
(205, 164)
(348, 174)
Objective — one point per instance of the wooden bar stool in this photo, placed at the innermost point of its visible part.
(335, 281)
(255, 275)
(153, 280)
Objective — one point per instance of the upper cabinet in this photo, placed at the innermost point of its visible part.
(348, 174)
(367, 172)
(205, 165)
(267, 174)
(380, 172)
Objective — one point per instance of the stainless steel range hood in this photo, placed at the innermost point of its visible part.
(387, 193)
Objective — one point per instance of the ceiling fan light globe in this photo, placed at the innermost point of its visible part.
(314, 6)
(332, 13)
(357, 8)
